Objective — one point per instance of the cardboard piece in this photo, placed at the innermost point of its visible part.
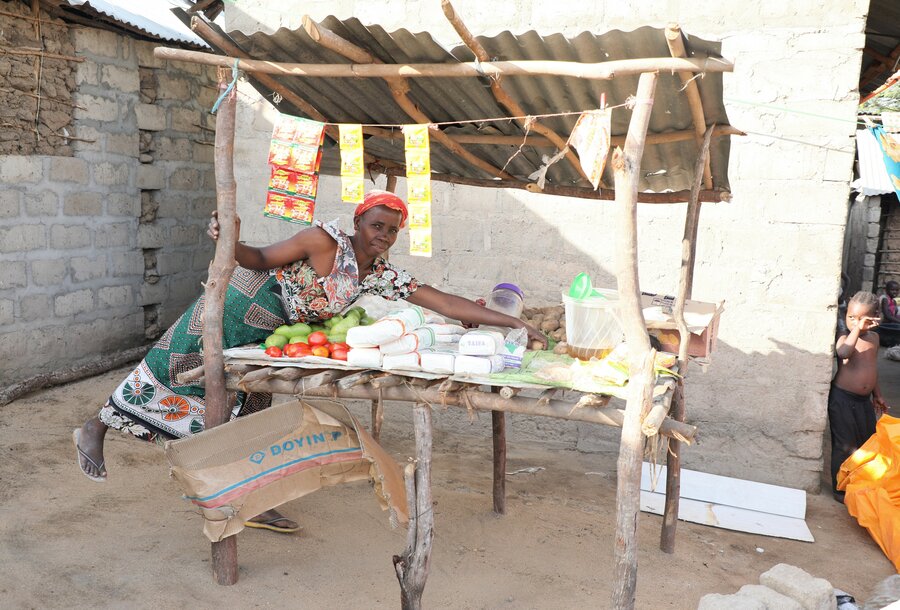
(702, 320)
(249, 465)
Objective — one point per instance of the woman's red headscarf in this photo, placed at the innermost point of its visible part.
(375, 198)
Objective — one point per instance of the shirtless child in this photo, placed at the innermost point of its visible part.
(855, 396)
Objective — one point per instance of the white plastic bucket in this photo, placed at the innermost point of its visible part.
(593, 327)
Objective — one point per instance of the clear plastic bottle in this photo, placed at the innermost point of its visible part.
(508, 299)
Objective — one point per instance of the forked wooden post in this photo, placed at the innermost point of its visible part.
(412, 566)
(626, 169)
(685, 287)
(224, 553)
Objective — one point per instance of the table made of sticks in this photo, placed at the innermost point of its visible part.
(426, 390)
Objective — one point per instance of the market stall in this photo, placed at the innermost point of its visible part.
(653, 405)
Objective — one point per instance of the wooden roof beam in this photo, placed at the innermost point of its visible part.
(676, 48)
(542, 142)
(502, 97)
(601, 71)
(207, 33)
(709, 196)
(880, 66)
(400, 92)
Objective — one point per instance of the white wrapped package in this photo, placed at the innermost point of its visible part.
(437, 361)
(405, 362)
(442, 330)
(364, 357)
(477, 365)
(481, 343)
(387, 329)
(421, 338)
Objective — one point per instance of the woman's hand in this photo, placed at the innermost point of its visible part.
(880, 406)
(535, 335)
(213, 229)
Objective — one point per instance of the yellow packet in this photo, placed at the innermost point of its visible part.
(351, 136)
(418, 162)
(352, 162)
(420, 215)
(420, 242)
(415, 136)
(352, 189)
(418, 189)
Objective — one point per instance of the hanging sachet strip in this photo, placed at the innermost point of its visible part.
(418, 188)
(352, 165)
(294, 156)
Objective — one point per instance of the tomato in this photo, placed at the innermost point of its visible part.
(317, 338)
(339, 353)
(296, 350)
(340, 345)
(320, 350)
(274, 352)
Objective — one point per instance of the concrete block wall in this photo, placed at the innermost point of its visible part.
(101, 250)
(773, 254)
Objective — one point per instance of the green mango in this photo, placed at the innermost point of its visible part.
(356, 310)
(276, 340)
(366, 321)
(318, 327)
(299, 339)
(337, 337)
(346, 325)
(293, 330)
(284, 329)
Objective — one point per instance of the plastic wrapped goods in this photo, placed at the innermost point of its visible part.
(387, 329)
(437, 361)
(423, 337)
(365, 357)
(477, 365)
(481, 343)
(406, 362)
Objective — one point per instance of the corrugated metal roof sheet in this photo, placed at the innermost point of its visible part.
(152, 17)
(667, 166)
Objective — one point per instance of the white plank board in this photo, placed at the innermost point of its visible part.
(730, 517)
(726, 491)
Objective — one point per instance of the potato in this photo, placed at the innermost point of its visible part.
(537, 319)
(550, 325)
(561, 348)
(537, 345)
(557, 334)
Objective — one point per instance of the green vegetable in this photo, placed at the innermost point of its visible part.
(276, 340)
(318, 328)
(299, 339)
(293, 330)
(366, 320)
(337, 337)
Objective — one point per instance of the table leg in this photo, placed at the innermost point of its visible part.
(377, 417)
(412, 566)
(498, 421)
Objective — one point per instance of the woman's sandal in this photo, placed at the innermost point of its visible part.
(269, 524)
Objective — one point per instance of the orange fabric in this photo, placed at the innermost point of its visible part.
(376, 198)
(871, 479)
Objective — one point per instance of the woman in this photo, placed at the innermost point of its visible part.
(309, 277)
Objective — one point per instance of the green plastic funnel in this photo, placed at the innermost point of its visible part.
(582, 287)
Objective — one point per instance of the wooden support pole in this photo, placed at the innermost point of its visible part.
(676, 47)
(412, 566)
(626, 169)
(399, 91)
(377, 416)
(502, 97)
(679, 411)
(600, 71)
(571, 191)
(224, 553)
(498, 426)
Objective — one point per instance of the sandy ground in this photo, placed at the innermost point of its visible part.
(133, 542)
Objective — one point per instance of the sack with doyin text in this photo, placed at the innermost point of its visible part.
(252, 464)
